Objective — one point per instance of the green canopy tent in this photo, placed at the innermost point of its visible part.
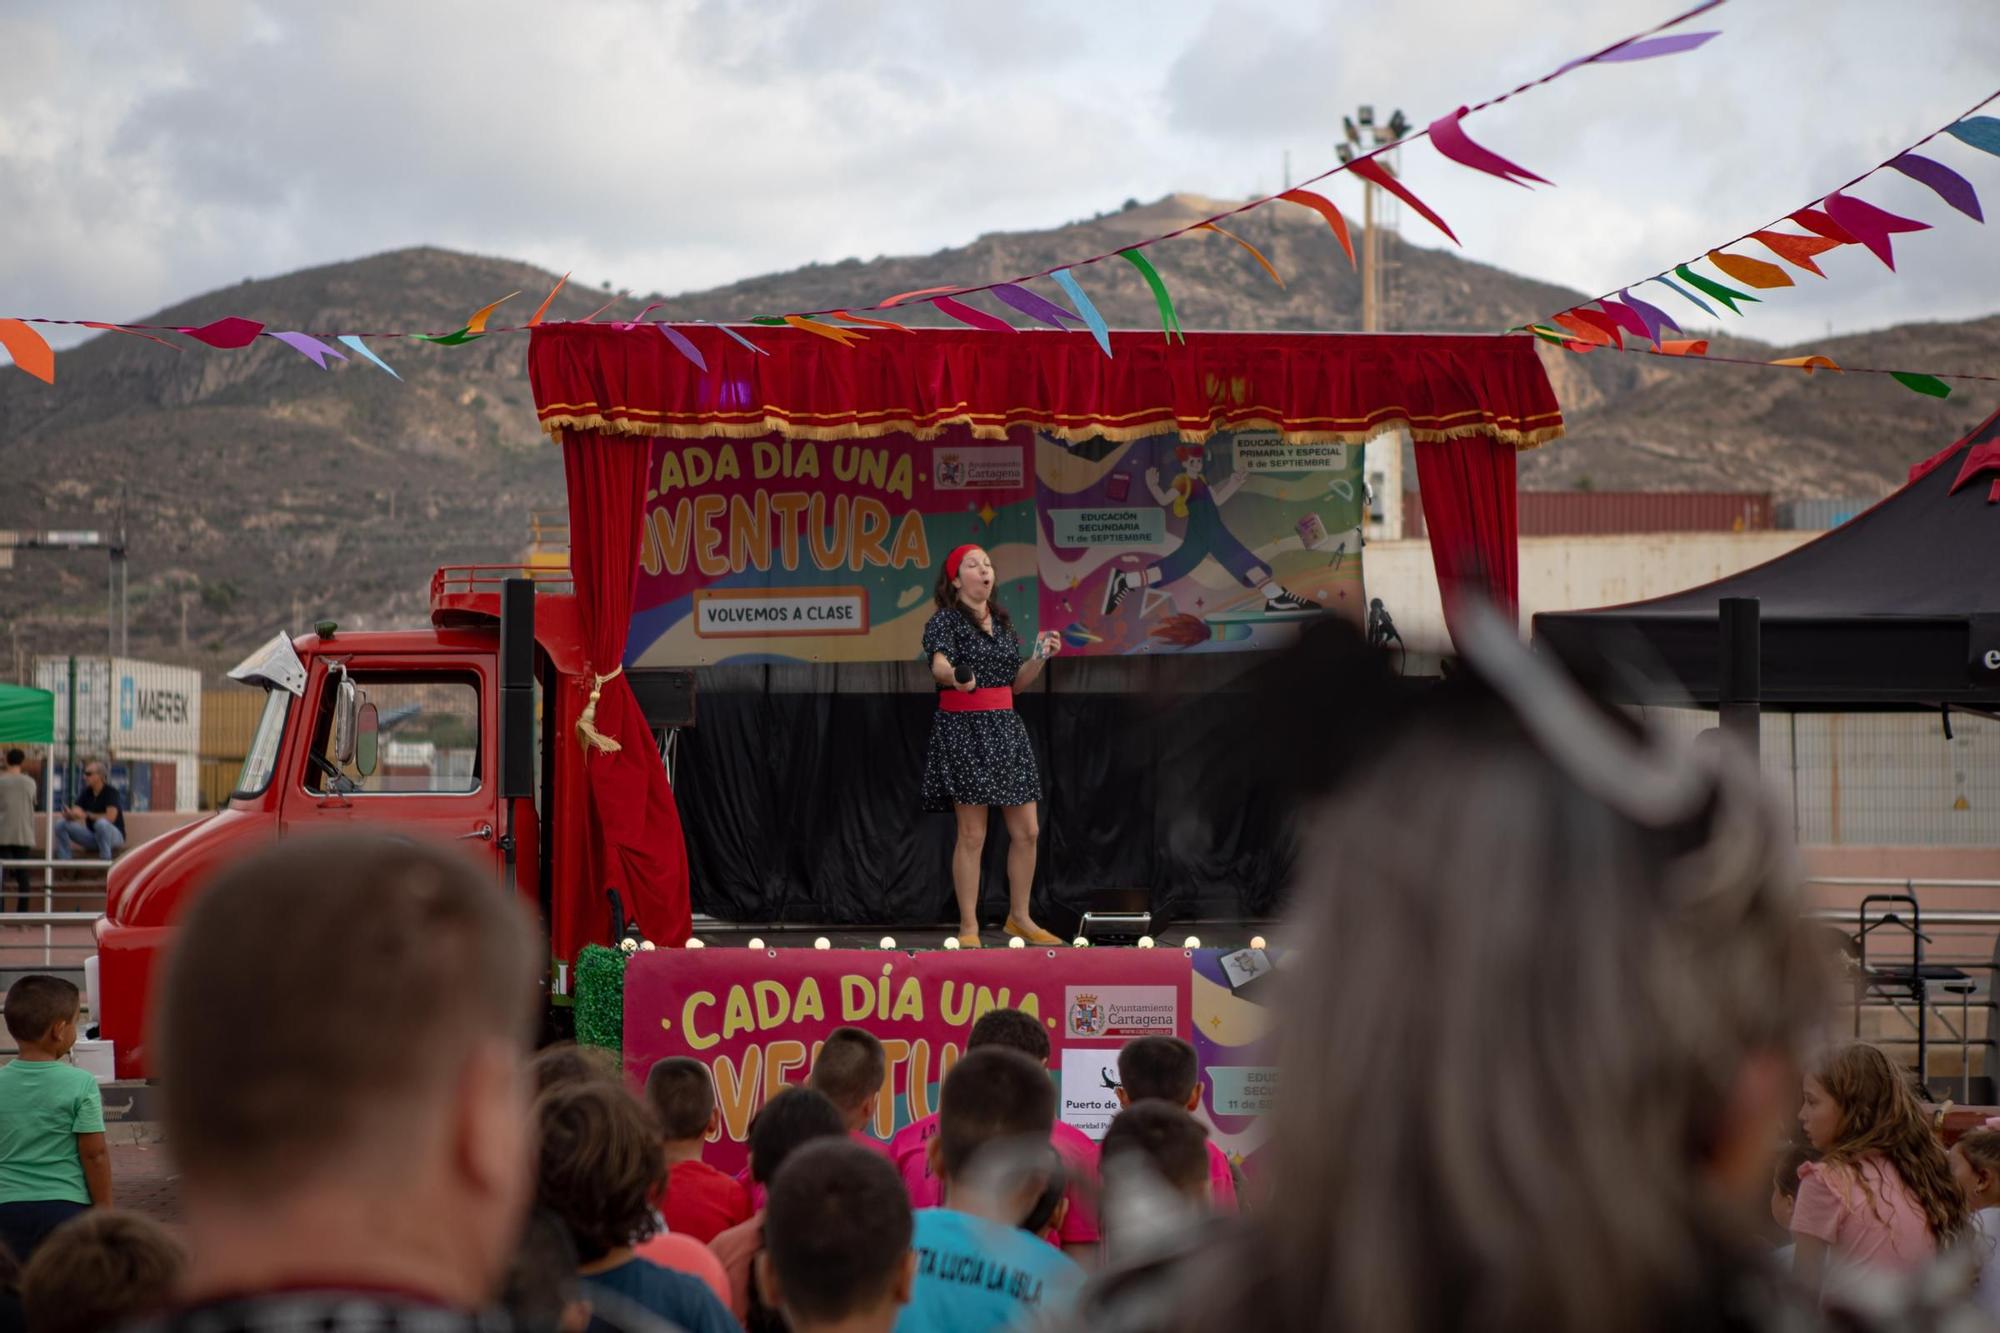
(27, 716)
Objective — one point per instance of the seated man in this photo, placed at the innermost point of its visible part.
(97, 820)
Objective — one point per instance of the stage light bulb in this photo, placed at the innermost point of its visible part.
(951, 941)
(756, 943)
(647, 946)
(1256, 941)
(822, 943)
(888, 941)
(1079, 943)
(1145, 941)
(694, 943)
(1191, 943)
(1017, 943)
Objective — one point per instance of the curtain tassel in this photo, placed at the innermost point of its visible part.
(586, 721)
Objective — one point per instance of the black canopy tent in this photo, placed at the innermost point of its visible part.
(1897, 609)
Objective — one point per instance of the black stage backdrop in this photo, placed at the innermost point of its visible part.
(799, 792)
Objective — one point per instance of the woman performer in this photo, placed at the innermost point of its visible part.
(979, 753)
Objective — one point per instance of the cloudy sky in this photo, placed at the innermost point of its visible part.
(152, 151)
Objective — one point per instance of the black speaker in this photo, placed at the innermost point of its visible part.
(517, 634)
(665, 695)
(517, 744)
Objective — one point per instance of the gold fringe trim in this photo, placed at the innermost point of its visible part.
(1522, 435)
(587, 733)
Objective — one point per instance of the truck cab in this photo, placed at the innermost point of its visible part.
(396, 731)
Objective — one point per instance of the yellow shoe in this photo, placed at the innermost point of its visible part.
(1033, 934)
(971, 941)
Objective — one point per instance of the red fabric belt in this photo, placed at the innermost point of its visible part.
(993, 699)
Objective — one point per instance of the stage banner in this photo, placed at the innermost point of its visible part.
(774, 550)
(1155, 546)
(756, 1018)
(1230, 1026)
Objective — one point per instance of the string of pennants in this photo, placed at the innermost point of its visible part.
(1835, 219)
(1447, 135)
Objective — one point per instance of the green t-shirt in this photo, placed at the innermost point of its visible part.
(44, 1105)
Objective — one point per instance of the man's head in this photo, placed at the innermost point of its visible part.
(993, 1096)
(16, 758)
(568, 1062)
(789, 1121)
(99, 1270)
(542, 1290)
(1011, 1028)
(1165, 1139)
(344, 1024)
(93, 774)
(682, 1094)
(1159, 1068)
(600, 1166)
(849, 1070)
(837, 1235)
(43, 1010)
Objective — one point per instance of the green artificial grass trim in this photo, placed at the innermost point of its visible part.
(600, 997)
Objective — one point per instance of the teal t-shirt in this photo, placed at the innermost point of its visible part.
(976, 1276)
(44, 1105)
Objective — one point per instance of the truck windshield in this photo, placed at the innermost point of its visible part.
(263, 755)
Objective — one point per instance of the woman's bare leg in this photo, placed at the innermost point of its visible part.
(965, 854)
(1023, 833)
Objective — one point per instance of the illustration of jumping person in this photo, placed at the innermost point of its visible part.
(1206, 536)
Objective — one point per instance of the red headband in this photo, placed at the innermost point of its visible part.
(958, 554)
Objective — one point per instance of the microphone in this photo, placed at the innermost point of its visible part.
(1381, 629)
(963, 675)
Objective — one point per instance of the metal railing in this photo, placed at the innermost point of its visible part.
(32, 940)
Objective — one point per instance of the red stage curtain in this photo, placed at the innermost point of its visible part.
(1312, 387)
(635, 827)
(1468, 490)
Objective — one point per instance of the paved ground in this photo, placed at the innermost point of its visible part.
(142, 1179)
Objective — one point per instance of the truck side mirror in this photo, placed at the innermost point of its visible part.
(367, 735)
(346, 697)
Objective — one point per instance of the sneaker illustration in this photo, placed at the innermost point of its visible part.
(1114, 591)
(1286, 604)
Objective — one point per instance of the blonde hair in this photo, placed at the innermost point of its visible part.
(1515, 1138)
(1880, 1117)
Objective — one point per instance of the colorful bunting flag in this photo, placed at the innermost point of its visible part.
(309, 347)
(1033, 306)
(136, 333)
(547, 301)
(1685, 295)
(1170, 323)
(1586, 331)
(354, 340)
(1087, 312)
(1981, 132)
(1654, 317)
(1814, 220)
(1323, 206)
(30, 350)
(684, 345)
(1451, 140)
(901, 297)
(1754, 272)
(1870, 225)
(970, 316)
(1947, 184)
(1627, 319)
(1644, 48)
(456, 338)
(477, 323)
(1797, 251)
(1809, 363)
(734, 334)
(1685, 347)
(1370, 170)
(1602, 323)
(871, 323)
(845, 337)
(1729, 296)
(1255, 253)
(1928, 385)
(227, 334)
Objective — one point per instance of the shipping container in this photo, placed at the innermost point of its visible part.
(136, 715)
(1820, 515)
(228, 720)
(1586, 513)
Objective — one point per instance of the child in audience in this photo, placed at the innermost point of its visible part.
(1168, 1069)
(700, 1202)
(837, 1235)
(1169, 1142)
(1975, 1165)
(910, 1149)
(789, 1121)
(849, 1069)
(567, 1062)
(541, 1290)
(977, 1270)
(1882, 1195)
(599, 1166)
(1785, 1195)
(53, 1162)
(98, 1271)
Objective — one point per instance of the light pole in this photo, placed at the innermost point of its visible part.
(1357, 126)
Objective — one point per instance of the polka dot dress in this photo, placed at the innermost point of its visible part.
(980, 758)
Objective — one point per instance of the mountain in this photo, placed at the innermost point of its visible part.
(257, 491)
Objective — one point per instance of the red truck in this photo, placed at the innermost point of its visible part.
(440, 733)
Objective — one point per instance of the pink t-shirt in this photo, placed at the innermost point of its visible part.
(1221, 1180)
(1879, 1226)
(757, 1192)
(685, 1254)
(909, 1150)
